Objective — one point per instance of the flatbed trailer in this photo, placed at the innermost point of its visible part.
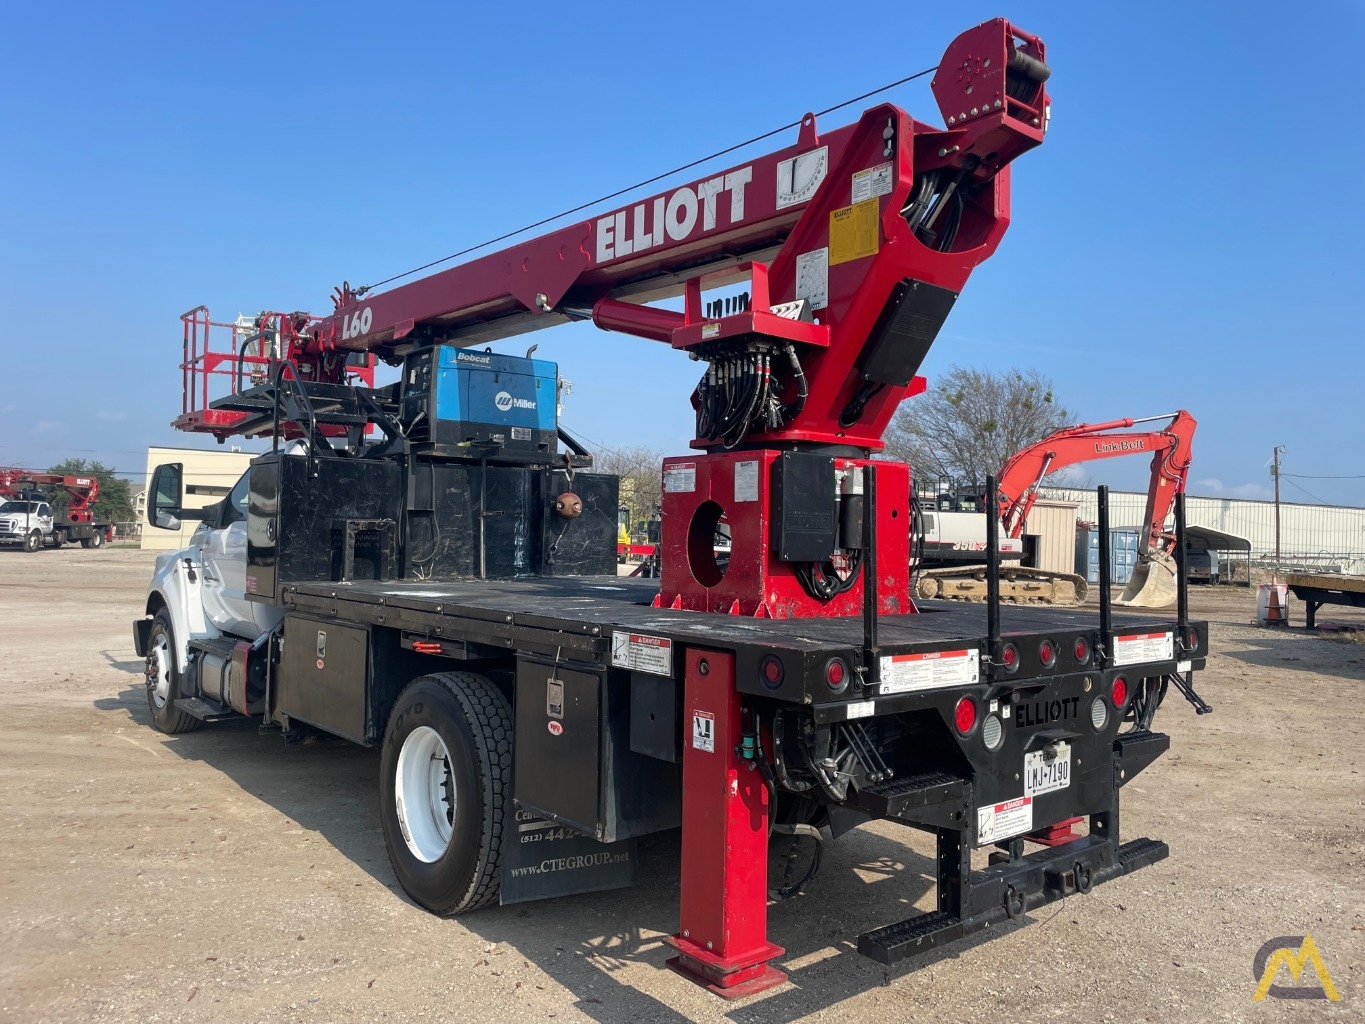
(1318, 589)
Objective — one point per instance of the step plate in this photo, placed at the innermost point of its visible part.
(205, 711)
(1040, 878)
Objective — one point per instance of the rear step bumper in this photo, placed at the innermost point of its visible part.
(1009, 890)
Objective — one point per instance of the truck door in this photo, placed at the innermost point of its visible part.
(224, 569)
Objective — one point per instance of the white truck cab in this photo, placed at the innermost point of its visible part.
(197, 599)
(27, 523)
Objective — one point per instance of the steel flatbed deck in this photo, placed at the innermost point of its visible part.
(579, 613)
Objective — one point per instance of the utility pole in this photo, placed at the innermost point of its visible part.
(1275, 472)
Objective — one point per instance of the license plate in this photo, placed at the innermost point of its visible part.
(1046, 771)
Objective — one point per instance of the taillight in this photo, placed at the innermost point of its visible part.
(1081, 650)
(1047, 653)
(1119, 692)
(1194, 640)
(836, 675)
(1009, 657)
(964, 715)
(771, 669)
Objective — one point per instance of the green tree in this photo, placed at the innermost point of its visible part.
(115, 503)
(966, 426)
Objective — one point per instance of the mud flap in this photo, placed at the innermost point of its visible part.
(1153, 583)
(542, 860)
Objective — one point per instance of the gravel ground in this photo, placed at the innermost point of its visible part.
(224, 875)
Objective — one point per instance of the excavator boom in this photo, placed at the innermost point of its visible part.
(1152, 584)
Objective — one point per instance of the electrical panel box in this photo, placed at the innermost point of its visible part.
(481, 404)
(804, 510)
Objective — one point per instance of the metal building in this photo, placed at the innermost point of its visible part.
(1322, 538)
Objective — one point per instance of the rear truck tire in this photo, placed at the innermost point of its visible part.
(95, 540)
(163, 679)
(445, 781)
(33, 540)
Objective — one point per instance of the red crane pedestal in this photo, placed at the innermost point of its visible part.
(701, 491)
(722, 938)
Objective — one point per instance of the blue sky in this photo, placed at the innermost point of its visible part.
(1190, 234)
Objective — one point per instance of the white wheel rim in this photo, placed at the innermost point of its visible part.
(424, 794)
(159, 671)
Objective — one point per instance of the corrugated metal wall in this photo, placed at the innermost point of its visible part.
(1312, 536)
(1054, 524)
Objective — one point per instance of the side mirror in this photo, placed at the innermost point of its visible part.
(167, 493)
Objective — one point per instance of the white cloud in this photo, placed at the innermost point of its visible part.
(47, 426)
(1211, 484)
(111, 417)
(1251, 491)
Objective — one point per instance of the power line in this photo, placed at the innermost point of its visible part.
(1307, 476)
(1305, 490)
(640, 184)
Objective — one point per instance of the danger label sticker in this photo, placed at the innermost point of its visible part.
(680, 477)
(640, 652)
(704, 731)
(854, 232)
(1138, 648)
(929, 670)
(1003, 820)
(873, 182)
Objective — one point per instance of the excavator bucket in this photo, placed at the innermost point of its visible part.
(1153, 583)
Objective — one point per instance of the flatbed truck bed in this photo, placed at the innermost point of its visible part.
(1318, 589)
(579, 613)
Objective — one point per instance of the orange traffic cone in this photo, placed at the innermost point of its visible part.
(1275, 612)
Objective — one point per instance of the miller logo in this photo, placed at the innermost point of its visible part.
(1293, 952)
(506, 403)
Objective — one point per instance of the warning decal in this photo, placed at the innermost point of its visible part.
(929, 670)
(1138, 648)
(680, 477)
(853, 232)
(1011, 818)
(641, 653)
(704, 731)
(873, 182)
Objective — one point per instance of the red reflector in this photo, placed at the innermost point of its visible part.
(1010, 656)
(964, 716)
(1082, 650)
(1120, 692)
(1047, 652)
(1194, 640)
(422, 647)
(834, 673)
(772, 671)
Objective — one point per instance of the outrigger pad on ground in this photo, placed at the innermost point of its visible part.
(1152, 584)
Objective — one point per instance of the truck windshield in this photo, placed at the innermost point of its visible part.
(18, 506)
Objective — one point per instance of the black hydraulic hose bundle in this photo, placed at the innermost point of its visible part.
(739, 393)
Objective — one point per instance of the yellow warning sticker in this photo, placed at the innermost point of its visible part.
(854, 232)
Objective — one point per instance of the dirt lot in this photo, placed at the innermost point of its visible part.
(224, 875)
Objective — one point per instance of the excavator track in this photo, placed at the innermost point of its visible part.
(1018, 585)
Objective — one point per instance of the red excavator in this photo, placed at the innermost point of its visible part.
(952, 536)
(26, 517)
